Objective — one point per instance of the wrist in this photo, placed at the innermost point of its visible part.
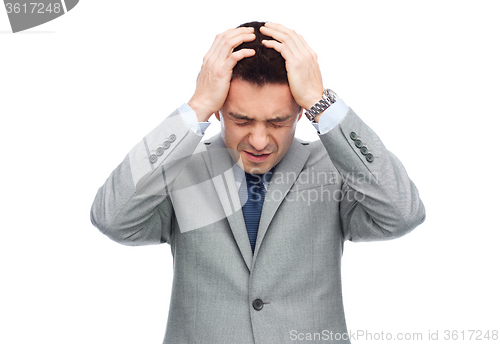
(201, 113)
(316, 118)
(312, 100)
(314, 112)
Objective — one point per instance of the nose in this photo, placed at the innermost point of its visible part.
(259, 137)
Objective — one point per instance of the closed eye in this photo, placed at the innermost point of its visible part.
(242, 124)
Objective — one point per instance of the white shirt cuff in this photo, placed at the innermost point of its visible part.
(331, 117)
(189, 116)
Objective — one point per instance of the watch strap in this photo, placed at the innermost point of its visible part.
(329, 97)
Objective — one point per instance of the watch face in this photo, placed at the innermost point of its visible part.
(331, 95)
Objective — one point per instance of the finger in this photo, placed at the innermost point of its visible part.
(285, 52)
(228, 46)
(307, 47)
(277, 27)
(230, 39)
(282, 31)
(280, 36)
(289, 39)
(290, 52)
(299, 40)
(297, 45)
(238, 56)
(228, 34)
(225, 48)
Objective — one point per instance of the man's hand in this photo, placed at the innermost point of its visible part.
(214, 79)
(302, 66)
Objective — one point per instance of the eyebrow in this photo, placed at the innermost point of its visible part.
(246, 118)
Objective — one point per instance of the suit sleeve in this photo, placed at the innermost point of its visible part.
(133, 206)
(379, 201)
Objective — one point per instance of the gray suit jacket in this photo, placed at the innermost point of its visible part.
(320, 195)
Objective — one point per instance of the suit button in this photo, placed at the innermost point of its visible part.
(159, 151)
(166, 145)
(353, 135)
(258, 304)
(153, 158)
(358, 143)
(369, 157)
(364, 150)
(172, 138)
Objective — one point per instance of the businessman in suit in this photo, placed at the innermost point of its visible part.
(256, 219)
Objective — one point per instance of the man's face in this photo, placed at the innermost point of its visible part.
(258, 124)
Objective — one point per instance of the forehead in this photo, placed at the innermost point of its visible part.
(260, 102)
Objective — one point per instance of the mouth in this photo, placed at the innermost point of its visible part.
(256, 157)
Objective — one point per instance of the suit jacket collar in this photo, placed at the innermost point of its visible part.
(290, 166)
(220, 165)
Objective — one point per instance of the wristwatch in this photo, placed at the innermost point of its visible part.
(329, 97)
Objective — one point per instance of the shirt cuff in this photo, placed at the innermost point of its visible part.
(331, 117)
(189, 116)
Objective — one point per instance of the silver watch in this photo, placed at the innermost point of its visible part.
(329, 97)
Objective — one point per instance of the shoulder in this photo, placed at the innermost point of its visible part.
(315, 148)
(318, 156)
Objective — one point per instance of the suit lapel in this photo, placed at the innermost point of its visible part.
(220, 164)
(284, 176)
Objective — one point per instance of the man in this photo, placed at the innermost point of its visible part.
(255, 218)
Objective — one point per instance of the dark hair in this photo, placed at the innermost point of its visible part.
(266, 66)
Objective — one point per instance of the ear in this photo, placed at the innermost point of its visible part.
(217, 115)
(301, 111)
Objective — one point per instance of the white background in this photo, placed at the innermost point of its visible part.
(78, 92)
